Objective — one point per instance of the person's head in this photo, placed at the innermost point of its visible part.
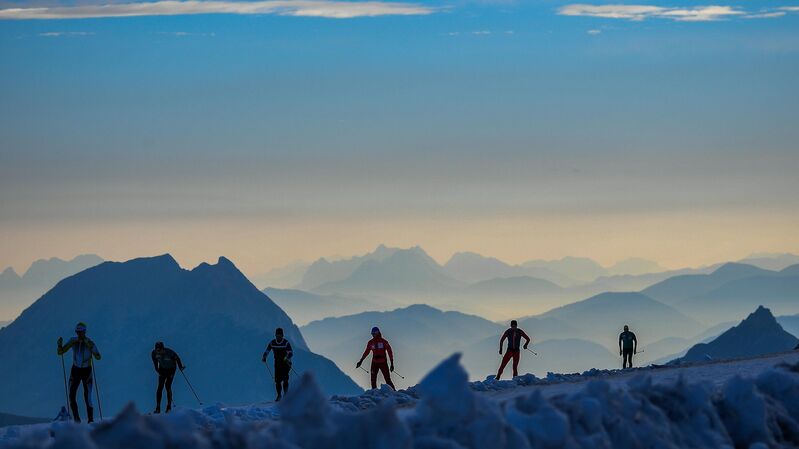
(626, 328)
(375, 332)
(80, 329)
(279, 333)
(159, 346)
(513, 324)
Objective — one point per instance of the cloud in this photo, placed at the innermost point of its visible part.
(332, 9)
(765, 15)
(65, 33)
(184, 34)
(594, 32)
(642, 12)
(789, 8)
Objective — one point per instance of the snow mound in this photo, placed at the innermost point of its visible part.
(445, 412)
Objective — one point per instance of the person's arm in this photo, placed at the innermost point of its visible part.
(266, 353)
(93, 349)
(363, 356)
(390, 355)
(155, 360)
(289, 351)
(635, 343)
(502, 340)
(62, 349)
(527, 338)
(180, 362)
(620, 343)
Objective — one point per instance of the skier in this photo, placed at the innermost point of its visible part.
(83, 349)
(283, 355)
(628, 345)
(166, 362)
(379, 347)
(514, 336)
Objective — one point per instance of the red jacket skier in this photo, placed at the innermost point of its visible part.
(514, 336)
(379, 347)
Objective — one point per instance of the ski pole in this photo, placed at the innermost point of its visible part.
(398, 374)
(190, 387)
(66, 390)
(270, 371)
(364, 369)
(293, 371)
(96, 389)
(534, 353)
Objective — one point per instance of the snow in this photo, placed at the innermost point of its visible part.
(752, 403)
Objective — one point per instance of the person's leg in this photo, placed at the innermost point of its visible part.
(286, 386)
(168, 384)
(88, 385)
(279, 377)
(373, 374)
(505, 359)
(159, 392)
(516, 355)
(74, 381)
(387, 375)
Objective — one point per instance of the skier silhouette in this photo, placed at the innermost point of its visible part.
(379, 347)
(83, 349)
(514, 336)
(628, 345)
(283, 355)
(166, 363)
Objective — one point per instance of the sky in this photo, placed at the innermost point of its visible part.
(275, 131)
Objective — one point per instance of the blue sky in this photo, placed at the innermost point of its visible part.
(436, 127)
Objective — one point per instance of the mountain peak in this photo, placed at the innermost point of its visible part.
(758, 334)
(736, 269)
(10, 273)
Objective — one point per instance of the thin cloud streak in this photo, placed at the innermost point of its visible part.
(298, 8)
(642, 12)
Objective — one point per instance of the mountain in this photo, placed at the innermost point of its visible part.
(323, 271)
(283, 277)
(405, 271)
(18, 292)
(790, 324)
(578, 268)
(681, 288)
(772, 261)
(4, 323)
(15, 420)
(304, 307)
(212, 316)
(601, 317)
(779, 293)
(635, 266)
(420, 336)
(472, 267)
(758, 334)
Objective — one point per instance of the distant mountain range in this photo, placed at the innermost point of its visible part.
(304, 307)
(15, 420)
(601, 318)
(758, 334)
(212, 316)
(730, 292)
(18, 292)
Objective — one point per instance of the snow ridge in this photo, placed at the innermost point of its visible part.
(755, 412)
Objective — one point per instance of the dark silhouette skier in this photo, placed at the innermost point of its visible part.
(379, 347)
(83, 349)
(283, 355)
(166, 363)
(628, 345)
(514, 336)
